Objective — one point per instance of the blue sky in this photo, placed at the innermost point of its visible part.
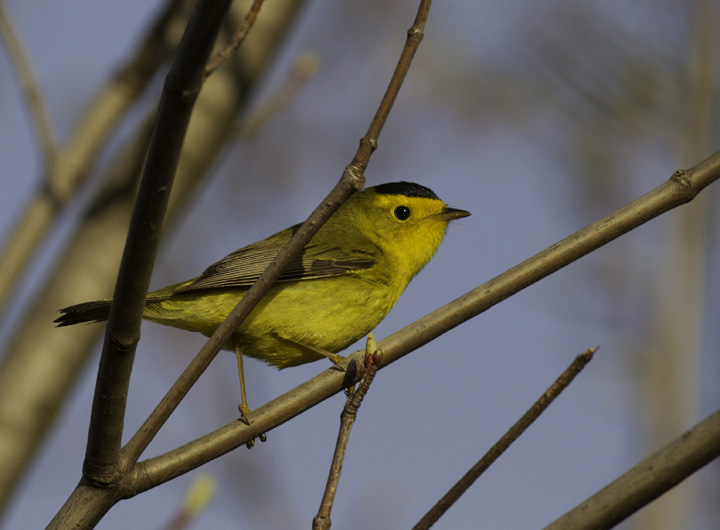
(511, 111)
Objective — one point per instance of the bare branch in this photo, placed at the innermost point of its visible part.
(368, 144)
(182, 87)
(373, 359)
(39, 365)
(237, 39)
(682, 187)
(103, 465)
(645, 482)
(562, 382)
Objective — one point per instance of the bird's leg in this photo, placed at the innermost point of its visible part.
(242, 407)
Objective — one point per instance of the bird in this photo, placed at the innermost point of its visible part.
(335, 291)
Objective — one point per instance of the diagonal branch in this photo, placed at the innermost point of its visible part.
(682, 187)
(237, 39)
(415, 35)
(373, 359)
(645, 482)
(520, 426)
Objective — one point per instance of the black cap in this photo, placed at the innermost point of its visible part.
(408, 189)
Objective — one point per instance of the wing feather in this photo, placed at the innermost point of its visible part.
(243, 267)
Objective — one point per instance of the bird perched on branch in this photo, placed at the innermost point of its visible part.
(340, 286)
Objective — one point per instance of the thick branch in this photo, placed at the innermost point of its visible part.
(103, 465)
(645, 482)
(182, 86)
(39, 364)
(42, 361)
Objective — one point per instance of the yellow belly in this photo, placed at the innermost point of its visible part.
(329, 315)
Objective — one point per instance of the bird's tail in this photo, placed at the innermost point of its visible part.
(96, 311)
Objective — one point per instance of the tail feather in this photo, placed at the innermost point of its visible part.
(96, 311)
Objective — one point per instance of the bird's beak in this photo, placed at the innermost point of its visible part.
(448, 214)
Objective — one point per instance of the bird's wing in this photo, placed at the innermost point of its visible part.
(243, 267)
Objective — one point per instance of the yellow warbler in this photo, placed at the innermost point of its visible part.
(342, 284)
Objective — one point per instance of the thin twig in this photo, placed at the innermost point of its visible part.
(30, 87)
(369, 142)
(444, 504)
(237, 39)
(681, 188)
(373, 360)
(351, 181)
(645, 482)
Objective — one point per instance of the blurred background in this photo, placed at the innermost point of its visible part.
(539, 118)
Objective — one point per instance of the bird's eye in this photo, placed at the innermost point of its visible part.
(402, 213)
